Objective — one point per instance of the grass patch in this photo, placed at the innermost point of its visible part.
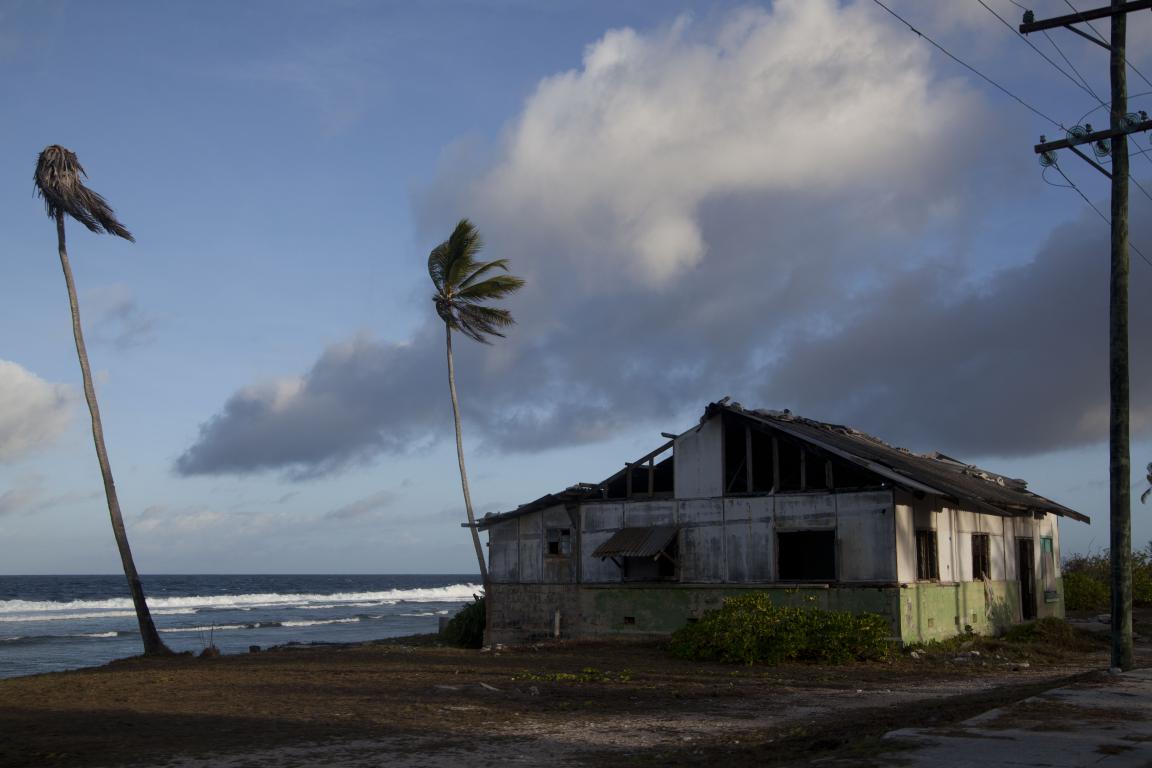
(586, 675)
(1044, 640)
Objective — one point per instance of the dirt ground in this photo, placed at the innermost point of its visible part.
(413, 703)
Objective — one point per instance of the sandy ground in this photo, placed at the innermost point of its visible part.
(412, 703)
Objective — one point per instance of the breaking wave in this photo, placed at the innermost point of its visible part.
(50, 610)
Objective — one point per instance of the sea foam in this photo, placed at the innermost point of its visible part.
(51, 610)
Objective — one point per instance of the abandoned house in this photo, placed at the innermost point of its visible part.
(814, 513)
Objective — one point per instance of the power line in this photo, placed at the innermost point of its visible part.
(1093, 207)
(1134, 146)
(1107, 104)
(1044, 177)
(1039, 52)
(1097, 32)
(971, 68)
(1019, 100)
(1068, 61)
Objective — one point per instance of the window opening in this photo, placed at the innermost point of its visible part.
(762, 476)
(815, 472)
(927, 569)
(981, 557)
(807, 555)
(736, 456)
(789, 457)
(559, 541)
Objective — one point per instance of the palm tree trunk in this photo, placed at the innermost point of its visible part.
(153, 645)
(460, 458)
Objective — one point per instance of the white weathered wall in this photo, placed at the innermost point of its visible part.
(906, 524)
(866, 536)
(926, 514)
(954, 529)
(970, 523)
(698, 462)
(638, 514)
(1050, 526)
(701, 540)
(733, 540)
(945, 543)
(750, 541)
(805, 512)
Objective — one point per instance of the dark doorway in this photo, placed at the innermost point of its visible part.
(1026, 571)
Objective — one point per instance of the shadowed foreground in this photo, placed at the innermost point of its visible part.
(573, 704)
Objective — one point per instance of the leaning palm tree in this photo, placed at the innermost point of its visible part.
(463, 287)
(1144, 496)
(58, 182)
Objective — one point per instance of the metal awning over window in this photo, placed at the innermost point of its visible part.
(649, 541)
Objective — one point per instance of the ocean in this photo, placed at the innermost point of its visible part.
(53, 623)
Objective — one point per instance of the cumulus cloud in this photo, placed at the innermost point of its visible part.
(618, 156)
(360, 398)
(1015, 365)
(753, 208)
(32, 411)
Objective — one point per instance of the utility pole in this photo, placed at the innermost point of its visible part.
(1120, 125)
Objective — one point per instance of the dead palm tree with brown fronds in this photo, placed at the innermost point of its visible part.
(463, 287)
(58, 182)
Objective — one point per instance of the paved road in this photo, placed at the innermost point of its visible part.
(1105, 722)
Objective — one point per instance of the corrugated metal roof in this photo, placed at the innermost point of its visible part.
(934, 473)
(637, 542)
(573, 493)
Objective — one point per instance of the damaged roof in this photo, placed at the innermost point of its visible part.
(571, 494)
(927, 473)
(933, 473)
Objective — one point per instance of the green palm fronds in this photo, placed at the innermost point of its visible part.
(464, 285)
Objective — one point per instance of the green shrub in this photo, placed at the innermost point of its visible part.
(1088, 580)
(1083, 592)
(752, 630)
(1142, 576)
(466, 629)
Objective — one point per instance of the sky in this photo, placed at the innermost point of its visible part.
(799, 204)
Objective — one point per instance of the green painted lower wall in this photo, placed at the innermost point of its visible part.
(919, 612)
(930, 611)
(520, 612)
